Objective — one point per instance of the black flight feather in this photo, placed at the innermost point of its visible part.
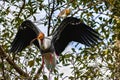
(26, 33)
(72, 29)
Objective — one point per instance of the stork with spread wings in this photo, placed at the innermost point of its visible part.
(70, 29)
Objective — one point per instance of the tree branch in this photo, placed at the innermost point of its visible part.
(21, 8)
(50, 16)
(3, 68)
(38, 72)
(15, 66)
(62, 6)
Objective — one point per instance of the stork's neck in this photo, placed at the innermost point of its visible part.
(46, 45)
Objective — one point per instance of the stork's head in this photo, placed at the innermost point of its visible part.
(40, 38)
(64, 13)
(44, 42)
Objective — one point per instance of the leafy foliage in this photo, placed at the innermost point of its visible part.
(98, 62)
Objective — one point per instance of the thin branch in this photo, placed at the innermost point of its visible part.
(21, 8)
(64, 5)
(56, 8)
(50, 16)
(15, 66)
(64, 77)
(38, 72)
(12, 73)
(3, 68)
(79, 9)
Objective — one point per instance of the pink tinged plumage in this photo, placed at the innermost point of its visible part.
(50, 60)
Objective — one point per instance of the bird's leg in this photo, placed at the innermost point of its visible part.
(49, 75)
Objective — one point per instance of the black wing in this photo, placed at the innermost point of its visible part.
(26, 33)
(71, 29)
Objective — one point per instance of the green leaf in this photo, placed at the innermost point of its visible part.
(45, 77)
(56, 78)
(31, 63)
(66, 64)
(38, 60)
(1, 65)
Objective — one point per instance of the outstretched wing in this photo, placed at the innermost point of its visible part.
(71, 29)
(26, 33)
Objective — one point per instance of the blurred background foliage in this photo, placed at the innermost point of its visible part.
(93, 63)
